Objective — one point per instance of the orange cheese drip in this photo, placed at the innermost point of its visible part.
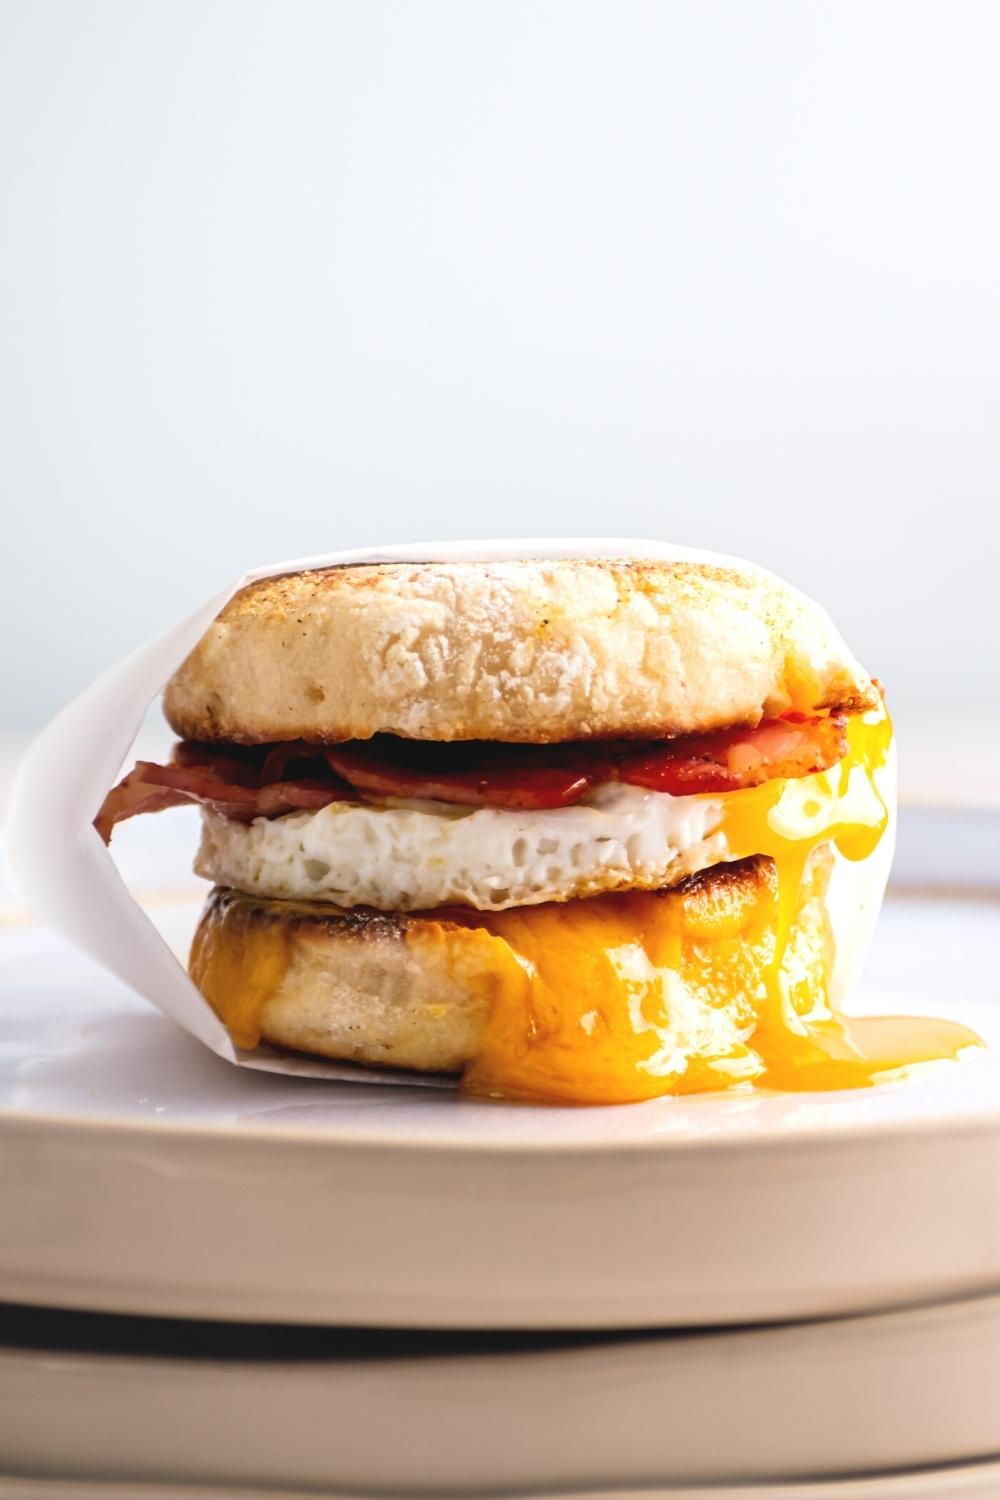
(238, 965)
(620, 998)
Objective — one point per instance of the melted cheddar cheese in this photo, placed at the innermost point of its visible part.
(239, 964)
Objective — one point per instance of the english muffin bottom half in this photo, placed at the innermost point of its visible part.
(607, 999)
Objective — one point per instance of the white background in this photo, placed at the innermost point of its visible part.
(283, 277)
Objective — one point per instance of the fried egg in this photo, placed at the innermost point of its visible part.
(405, 855)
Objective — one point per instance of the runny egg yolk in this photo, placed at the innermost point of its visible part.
(625, 997)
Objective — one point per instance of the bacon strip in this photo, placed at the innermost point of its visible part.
(737, 758)
(557, 776)
(246, 783)
(132, 796)
(526, 786)
(151, 788)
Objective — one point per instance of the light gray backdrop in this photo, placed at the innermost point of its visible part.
(280, 277)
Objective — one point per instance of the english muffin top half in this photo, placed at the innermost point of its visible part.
(523, 652)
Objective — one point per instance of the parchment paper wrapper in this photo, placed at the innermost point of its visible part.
(64, 871)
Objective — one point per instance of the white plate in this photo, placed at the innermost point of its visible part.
(965, 1482)
(353, 1413)
(139, 1173)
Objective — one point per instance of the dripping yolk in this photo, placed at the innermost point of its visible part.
(623, 997)
(724, 980)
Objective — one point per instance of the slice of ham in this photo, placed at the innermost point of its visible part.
(246, 783)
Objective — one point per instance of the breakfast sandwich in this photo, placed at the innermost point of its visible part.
(570, 829)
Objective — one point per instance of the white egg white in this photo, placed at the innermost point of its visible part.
(414, 855)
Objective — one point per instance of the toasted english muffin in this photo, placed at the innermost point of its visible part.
(524, 652)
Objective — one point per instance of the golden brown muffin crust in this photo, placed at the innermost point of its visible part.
(529, 652)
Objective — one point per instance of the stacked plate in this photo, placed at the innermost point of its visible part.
(230, 1281)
